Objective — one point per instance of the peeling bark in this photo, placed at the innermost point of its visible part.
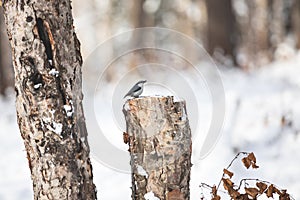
(159, 139)
(47, 64)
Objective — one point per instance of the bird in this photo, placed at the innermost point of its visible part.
(136, 90)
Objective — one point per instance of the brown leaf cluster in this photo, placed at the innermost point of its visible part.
(249, 193)
(250, 160)
(229, 186)
(253, 192)
(273, 190)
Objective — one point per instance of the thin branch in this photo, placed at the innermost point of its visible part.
(230, 164)
(206, 186)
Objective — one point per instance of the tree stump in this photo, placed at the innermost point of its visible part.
(160, 145)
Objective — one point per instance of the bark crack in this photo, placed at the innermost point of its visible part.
(44, 36)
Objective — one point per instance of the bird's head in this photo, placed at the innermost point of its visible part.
(141, 83)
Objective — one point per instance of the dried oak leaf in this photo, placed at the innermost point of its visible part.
(246, 162)
(234, 194)
(217, 197)
(227, 183)
(262, 187)
(125, 137)
(243, 197)
(252, 192)
(276, 190)
(214, 193)
(270, 191)
(252, 157)
(250, 160)
(229, 173)
(284, 195)
(214, 190)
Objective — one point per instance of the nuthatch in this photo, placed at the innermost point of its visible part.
(136, 90)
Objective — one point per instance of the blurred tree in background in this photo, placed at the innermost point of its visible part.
(243, 33)
(6, 70)
(296, 20)
(222, 30)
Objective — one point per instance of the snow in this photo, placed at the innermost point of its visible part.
(68, 110)
(150, 196)
(141, 171)
(56, 127)
(54, 72)
(50, 62)
(38, 85)
(15, 182)
(256, 102)
(126, 106)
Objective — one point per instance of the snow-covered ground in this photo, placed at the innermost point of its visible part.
(262, 115)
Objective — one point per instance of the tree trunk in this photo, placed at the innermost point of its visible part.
(6, 69)
(160, 142)
(296, 22)
(221, 27)
(140, 19)
(277, 22)
(254, 48)
(47, 65)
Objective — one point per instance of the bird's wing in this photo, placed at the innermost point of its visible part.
(133, 89)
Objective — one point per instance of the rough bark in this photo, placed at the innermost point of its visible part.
(47, 64)
(6, 69)
(159, 139)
